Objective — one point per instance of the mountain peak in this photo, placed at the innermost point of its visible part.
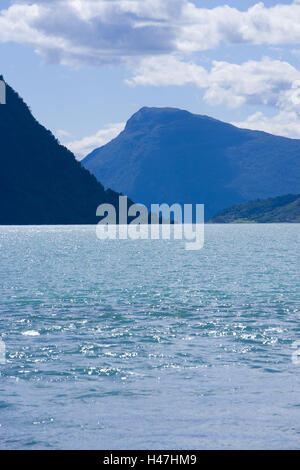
(166, 116)
(173, 156)
(153, 116)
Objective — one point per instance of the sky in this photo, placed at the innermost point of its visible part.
(85, 66)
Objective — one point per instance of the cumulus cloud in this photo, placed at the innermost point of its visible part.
(79, 32)
(168, 70)
(83, 147)
(285, 123)
(266, 82)
(206, 28)
(96, 32)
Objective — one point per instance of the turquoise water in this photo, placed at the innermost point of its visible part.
(136, 345)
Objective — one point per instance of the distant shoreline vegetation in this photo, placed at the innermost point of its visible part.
(282, 209)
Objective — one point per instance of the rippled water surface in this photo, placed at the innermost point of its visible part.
(136, 345)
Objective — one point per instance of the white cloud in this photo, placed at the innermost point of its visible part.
(266, 82)
(285, 123)
(206, 28)
(78, 32)
(168, 70)
(83, 147)
(96, 32)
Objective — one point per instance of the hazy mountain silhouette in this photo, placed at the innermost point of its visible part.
(40, 180)
(282, 209)
(169, 155)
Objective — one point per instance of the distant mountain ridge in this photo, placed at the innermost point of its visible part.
(41, 182)
(169, 155)
(282, 209)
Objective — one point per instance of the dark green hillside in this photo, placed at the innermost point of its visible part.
(273, 210)
(40, 180)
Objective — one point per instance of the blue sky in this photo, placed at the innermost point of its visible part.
(85, 66)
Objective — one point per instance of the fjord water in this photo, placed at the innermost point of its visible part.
(141, 344)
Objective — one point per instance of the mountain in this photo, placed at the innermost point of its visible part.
(40, 180)
(169, 155)
(273, 210)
